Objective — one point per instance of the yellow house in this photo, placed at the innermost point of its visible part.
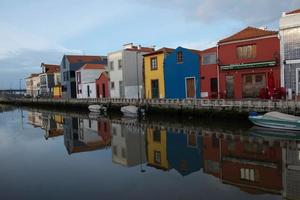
(154, 73)
(157, 148)
(57, 92)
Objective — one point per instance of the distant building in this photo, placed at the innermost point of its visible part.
(102, 86)
(49, 78)
(290, 50)
(69, 65)
(86, 80)
(249, 62)
(33, 85)
(182, 74)
(154, 82)
(209, 73)
(126, 71)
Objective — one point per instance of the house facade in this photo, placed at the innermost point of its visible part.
(69, 65)
(249, 63)
(86, 80)
(49, 78)
(102, 86)
(126, 71)
(154, 82)
(33, 85)
(181, 74)
(290, 51)
(209, 73)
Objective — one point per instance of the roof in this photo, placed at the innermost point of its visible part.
(293, 12)
(81, 59)
(249, 33)
(161, 50)
(209, 50)
(49, 68)
(140, 49)
(93, 66)
(33, 75)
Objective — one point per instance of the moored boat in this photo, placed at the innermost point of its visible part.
(130, 111)
(276, 120)
(97, 108)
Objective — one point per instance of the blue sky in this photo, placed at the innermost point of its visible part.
(35, 31)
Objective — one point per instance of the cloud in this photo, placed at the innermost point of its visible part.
(249, 12)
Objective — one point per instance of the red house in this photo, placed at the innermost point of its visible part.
(209, 73)
(102, 86)
(249, 63)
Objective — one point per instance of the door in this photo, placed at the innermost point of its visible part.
(103, 91)
(98, 90)
(190, 87)
(155, 89)
(252, 85)
(121, 89)
(229, 86)
(88, 90)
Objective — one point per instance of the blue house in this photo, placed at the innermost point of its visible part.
(184, 152)
(182, 74)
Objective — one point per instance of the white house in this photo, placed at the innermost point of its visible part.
(33, 85)
(86, 80)
(126, 71)
(290, 51)
(49, 78)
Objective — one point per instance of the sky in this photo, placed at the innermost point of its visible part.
(34, 31)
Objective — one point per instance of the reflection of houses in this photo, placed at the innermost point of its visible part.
(128, 145)
(291, 172)
(35, 118)
(251, 165)
(52, 125)
(157, 148)
(184, 152)
(85, 135)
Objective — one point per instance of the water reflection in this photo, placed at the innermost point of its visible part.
(258, 161)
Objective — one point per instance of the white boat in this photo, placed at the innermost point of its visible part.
(276, 120)
(96, 108)
(130, 111)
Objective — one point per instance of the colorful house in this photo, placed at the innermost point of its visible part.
(181, 73)
(49, 78)
(126, 71)
(69, 65)
(157, 148)
(102, 86)
(209, 73)
(154, 81)
(86, 80)
(33, 85)
(249, 63)
(290, 53)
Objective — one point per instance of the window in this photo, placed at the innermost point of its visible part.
(247, 174)
(72, 74)
(212, 166)
(157, 157)
(112, 85)
(209, 58)
(258, 78)
(156, 136)
(78, 77)
(119, 64)
(88, 90)
(179, 57)
(248, 79)
(153, 63)
(65, 76)
(245, 52)
(111, 65)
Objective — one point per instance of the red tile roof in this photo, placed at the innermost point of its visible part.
(162, 50)
(80, 59)
(293, 12)
(49, 68)
(249, 33)
(209, 50)
(141, 49)
(93, 66)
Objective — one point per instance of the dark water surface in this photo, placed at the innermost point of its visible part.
(56, 155)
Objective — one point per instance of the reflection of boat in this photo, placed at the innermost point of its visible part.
(97, 108)
(276, 120)
(130, 111)
(274, 133)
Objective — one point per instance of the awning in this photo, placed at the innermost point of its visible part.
(249, 65)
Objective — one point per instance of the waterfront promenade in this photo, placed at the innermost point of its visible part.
(188, 105)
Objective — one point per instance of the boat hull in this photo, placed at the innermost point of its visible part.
(275, 123)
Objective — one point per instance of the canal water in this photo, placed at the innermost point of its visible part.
(66, 155)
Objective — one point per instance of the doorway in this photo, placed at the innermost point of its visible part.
(229, 87)
(252, 85)
(155, 89)
(190, 87)
(103, 91)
